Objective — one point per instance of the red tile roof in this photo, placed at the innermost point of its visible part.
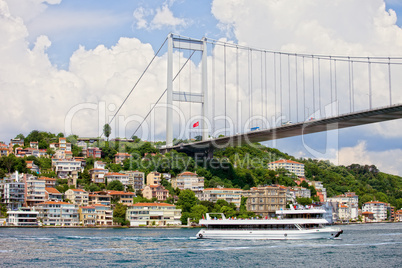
(119, 193)
(223, 189)
(115, 174)
(78, 190)
(48, 179)
(152, 205)
(54, 203)
(375, 202)
(286, 161)
(52, 190)
(122, 154)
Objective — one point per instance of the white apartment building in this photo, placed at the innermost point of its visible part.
(65, 168)
(114, 176)
(24, 216)
(291, 166)
(35, 190)
(12, 193)
(188, 180)
(58, 213)
(161, 214)
(379, 210)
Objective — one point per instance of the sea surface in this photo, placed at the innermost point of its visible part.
(368, 245)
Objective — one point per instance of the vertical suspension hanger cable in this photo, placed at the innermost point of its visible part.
(262, 93)
(389, 81)
(290, 111)
(275, 81)
(336, 89)
(319, 87)
(280, 84)
(180, 127)
(190, 98)
(297, 91)
(350, 86)
(304, 92)
(213, 86)
(369, 75)
(266, 91)
(312, 66)
(330, 83)
(237, 90)
(224, 68)
(251, 86)
(353, 88)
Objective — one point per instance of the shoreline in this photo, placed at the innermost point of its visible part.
(158, 227)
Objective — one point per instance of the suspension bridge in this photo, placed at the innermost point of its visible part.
(233, 94)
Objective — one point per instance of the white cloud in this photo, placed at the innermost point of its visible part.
(164, 18)
(139, 16)
(388, 161)
(157, 19)
(29, 9)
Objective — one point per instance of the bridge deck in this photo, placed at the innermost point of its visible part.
(297, 129)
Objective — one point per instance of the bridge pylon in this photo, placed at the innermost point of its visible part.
(192, 45)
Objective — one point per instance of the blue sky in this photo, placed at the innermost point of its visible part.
(59, 55)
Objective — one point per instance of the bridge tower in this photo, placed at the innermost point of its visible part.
(193, 45)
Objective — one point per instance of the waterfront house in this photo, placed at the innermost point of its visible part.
(266, 200)
(379, 209)
(58, 213)
(98, 214)
(161, 214)
(351, 201)
(24, 216)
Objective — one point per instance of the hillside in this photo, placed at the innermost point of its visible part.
(241, 167)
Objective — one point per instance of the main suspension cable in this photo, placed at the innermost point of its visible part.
(162, 94)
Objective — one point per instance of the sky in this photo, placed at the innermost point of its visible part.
(67, 65)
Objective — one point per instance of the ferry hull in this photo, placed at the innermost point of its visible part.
(326, 233)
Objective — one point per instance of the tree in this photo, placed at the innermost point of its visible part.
(107, 130)
(304, 201)
(186, 200)
(119, 214)
(197, 212)
(115, 185)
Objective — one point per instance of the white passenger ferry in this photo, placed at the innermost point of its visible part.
(290, 224)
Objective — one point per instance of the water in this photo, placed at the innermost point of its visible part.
(370, 245)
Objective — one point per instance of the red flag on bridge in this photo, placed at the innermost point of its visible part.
(196, 124)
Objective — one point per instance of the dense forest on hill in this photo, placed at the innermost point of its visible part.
(241, 167)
